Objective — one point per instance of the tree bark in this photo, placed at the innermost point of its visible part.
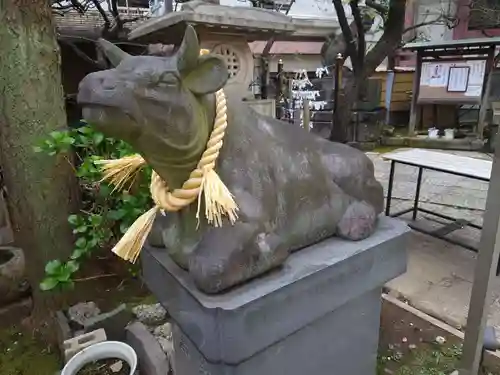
(39, 187)
(365, 67)
(347, 99)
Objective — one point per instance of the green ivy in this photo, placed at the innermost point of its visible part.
(106, 213)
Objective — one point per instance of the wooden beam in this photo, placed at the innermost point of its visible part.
(482, 51)
(306, 115)
(415, 113)
(454, 58)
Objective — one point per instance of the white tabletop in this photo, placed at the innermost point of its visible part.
(443, 162)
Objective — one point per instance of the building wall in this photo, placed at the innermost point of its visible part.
(293, 63)
(462, 30)
(428, 10)
(401, 90)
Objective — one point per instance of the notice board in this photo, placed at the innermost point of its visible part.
(447, 82)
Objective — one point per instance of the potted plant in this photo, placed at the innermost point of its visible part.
(105, 358)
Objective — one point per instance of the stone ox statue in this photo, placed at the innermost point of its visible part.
(293, 188)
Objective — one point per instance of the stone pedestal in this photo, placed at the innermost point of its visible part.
(318, 314)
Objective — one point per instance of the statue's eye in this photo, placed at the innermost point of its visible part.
(162, 84)
(168, 79)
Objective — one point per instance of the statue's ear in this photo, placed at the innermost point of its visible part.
(114, 54)
(209, 75)
(187, 55)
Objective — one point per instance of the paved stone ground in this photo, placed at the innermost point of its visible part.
(440, 275)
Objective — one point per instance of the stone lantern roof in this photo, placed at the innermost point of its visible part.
(236, 21)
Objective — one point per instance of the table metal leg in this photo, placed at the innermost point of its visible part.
(417, 194)
(389, 189)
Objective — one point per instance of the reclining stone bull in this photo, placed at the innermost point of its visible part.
(293, 188)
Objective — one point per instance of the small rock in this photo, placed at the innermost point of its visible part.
(150, 314)
(80, 312)
(165, 330)
(116, 367)
(440, 340)
(404, 339)
(412, 346)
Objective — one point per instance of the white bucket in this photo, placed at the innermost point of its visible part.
(102, 350)
(433, 133)
(449, 133)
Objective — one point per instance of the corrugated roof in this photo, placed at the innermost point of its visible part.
(480, 42)
(75, 23)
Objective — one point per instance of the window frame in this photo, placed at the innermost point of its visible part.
(462, 31)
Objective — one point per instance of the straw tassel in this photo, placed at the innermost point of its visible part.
(119, 172)
(218, 200)
(130, 245)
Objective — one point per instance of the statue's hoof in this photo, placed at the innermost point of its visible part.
(358, 222)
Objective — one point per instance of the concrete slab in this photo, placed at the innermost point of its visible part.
(439, 276)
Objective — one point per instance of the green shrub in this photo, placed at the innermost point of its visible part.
(106, 213)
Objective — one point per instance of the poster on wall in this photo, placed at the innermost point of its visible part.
(452, 81)
(438, 75)
(458, 79)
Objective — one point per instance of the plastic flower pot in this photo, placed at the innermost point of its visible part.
(449, 133)
(433, 133)
(97, 352)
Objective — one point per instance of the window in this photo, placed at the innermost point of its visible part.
(278, 5)
(231, 58)
(484, 14)
(133, 3)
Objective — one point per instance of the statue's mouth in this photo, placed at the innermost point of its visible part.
(86, 99)
(89, 97)
(105, 117)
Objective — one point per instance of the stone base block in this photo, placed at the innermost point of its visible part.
(343, 342)
(318, 314)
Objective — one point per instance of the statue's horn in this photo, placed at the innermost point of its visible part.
(188, 51)
(114, 54)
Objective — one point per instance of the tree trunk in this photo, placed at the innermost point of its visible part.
(39, 187)
(347, 99)
(386, 45)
